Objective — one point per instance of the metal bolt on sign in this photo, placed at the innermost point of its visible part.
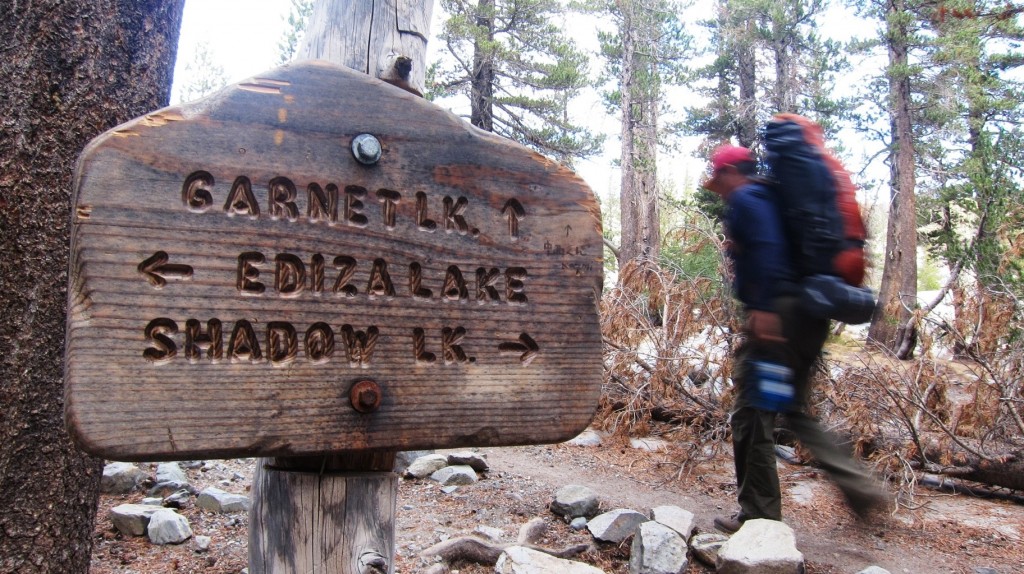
(365, 396)
(366, 149)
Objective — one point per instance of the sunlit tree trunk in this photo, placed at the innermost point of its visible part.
(891, 326)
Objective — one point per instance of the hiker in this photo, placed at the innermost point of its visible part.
(782, 340)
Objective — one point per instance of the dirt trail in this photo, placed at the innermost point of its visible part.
(953, 534)
(946, 534)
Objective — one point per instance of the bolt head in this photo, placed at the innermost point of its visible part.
(366, 149)
(365, 396)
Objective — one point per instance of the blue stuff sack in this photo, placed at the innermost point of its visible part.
(829, 297)
(773, 386)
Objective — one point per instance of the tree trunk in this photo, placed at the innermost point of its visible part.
(69, 70)
(641, 230)
(746, 70)
(482, 108)
(386, 39)
(891, 326)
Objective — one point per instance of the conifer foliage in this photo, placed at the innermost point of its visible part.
(511, 60)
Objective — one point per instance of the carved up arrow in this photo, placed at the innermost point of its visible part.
(515, 212)
(526, 345)
(157, 271)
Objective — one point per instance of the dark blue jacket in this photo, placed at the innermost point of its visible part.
(759, 250)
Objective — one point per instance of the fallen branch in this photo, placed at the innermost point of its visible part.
(479, 551)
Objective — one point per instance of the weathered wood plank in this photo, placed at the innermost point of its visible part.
(235, 270)
(321, 522)
(396, 32)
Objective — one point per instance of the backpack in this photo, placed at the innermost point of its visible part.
(817, 199)
(818, 204)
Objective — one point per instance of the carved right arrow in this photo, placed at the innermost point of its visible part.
(526, 345)
(157, 271)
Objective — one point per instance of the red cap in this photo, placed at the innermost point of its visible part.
(729, 155)
(722, 156)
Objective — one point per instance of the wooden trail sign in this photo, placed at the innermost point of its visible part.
(315, 261)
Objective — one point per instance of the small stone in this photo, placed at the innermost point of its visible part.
(578, 523)
(168, 527)
(449, 489)
(121, 478)
(152, 501)
(459, 475)
(574, 500)
(201, 544)
(179, 499)
(405, 458)
(763, 547)
(657, 549)
(706, 546)
(615, 525)
(876, 570)
(170, 472)
(216, 500)
(469, 458)
(132, 519)
(985, 570)
(427, 465)
(676, 518)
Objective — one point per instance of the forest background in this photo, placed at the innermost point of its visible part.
(921, 99)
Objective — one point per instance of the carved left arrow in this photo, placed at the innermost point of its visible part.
(526, 345)
(157, 270)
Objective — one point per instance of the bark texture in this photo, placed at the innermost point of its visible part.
(891, 326)
(69, 70)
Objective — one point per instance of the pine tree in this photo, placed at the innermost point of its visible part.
(295, 28)
(643, 54)
(517, 70)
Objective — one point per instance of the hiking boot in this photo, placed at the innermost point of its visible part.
(730, 524)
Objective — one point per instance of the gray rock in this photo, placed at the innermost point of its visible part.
(615, 525)
(657, 549)
(168, 527)
(216, 500)
(589, 437)
(459, 475)
(449, 489)
(132, 519)
(876, 570)
(578, 523)
(706, 546)
(469, 458)
(522, 560)
(170, 472)
(763, 547)
(985, 570)
(405, 458)
(121, 478)
(574, 500)
(152, 501)
(201, 543)
(179, 499)
(676, 518)
(168, 487)
(427, 465)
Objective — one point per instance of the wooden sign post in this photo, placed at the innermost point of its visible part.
(315, 262)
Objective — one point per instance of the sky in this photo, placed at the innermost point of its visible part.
(242, 37)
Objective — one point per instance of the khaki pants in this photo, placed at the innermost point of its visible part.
(752, 428)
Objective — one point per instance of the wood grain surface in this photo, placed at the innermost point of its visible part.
(235, 272)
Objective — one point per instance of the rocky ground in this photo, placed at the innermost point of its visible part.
(934, 533)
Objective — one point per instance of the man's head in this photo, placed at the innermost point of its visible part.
(731, 167)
